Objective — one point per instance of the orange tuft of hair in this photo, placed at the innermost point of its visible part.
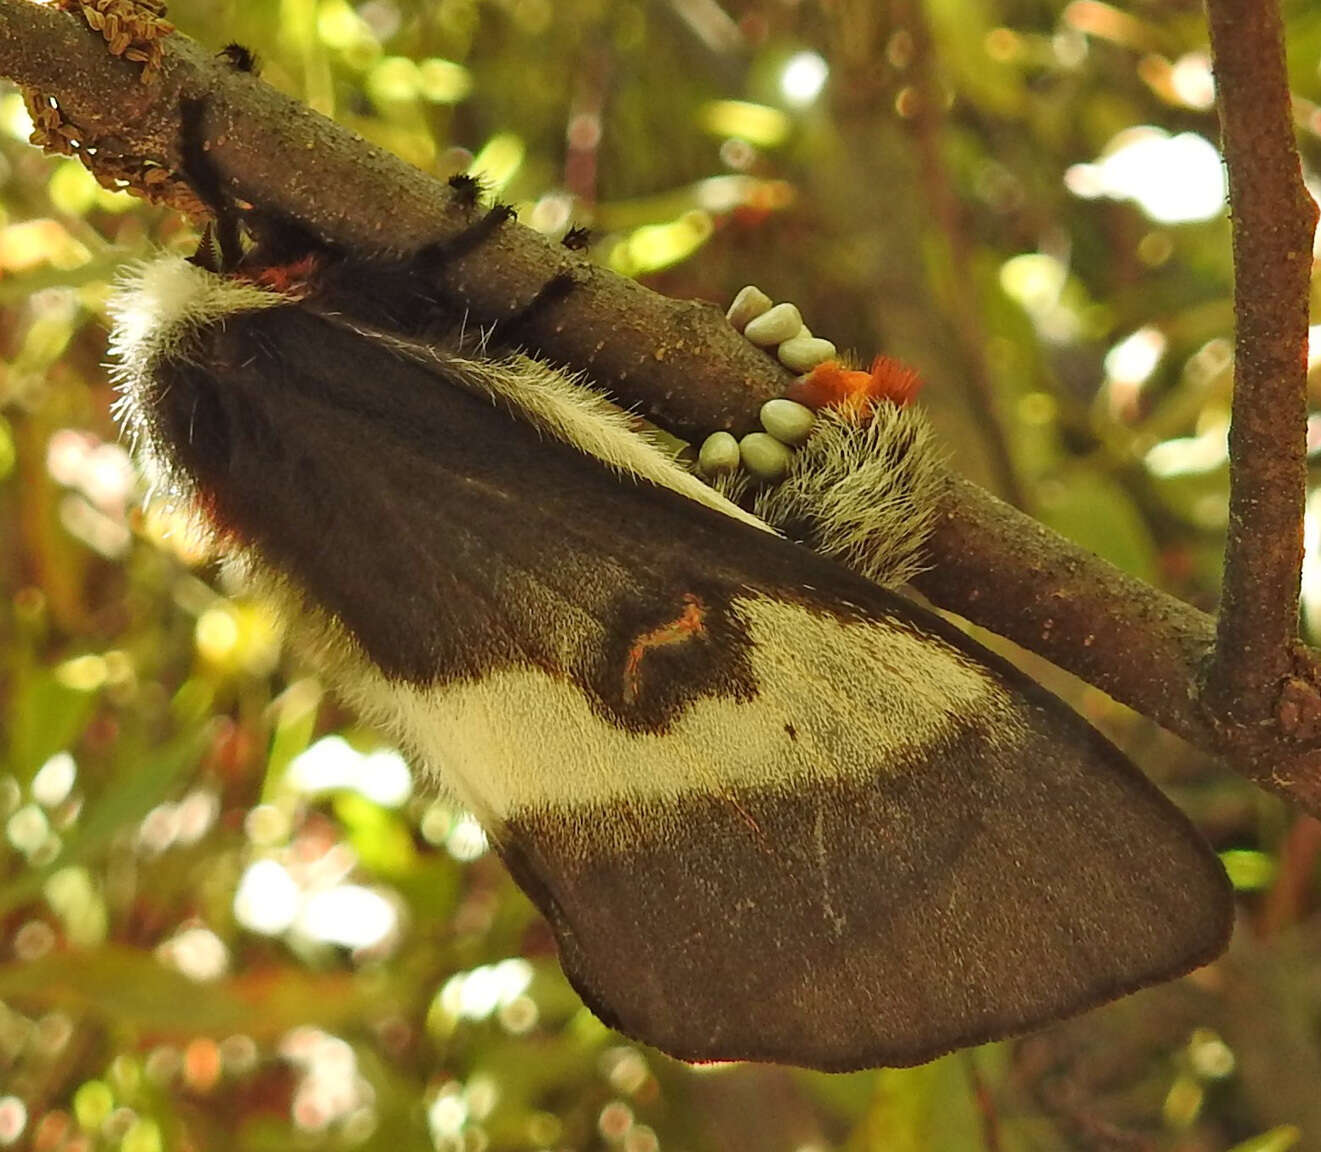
(831, 385)
(288, 279)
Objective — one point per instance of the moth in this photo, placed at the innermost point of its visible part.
(772, 810)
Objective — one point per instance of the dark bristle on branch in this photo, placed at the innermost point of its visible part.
(240, 57)
(467, 188)
(577, 239)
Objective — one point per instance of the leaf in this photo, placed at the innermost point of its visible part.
(132, 989)
(918, 1109)
(130, 797)
(45, 717)
(1276, 1140)
(379, 836)
(1094, 511)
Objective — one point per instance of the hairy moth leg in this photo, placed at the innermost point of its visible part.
(863, 493)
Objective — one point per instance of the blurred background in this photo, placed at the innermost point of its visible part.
(231, 917)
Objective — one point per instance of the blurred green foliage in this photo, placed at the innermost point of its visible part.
(232, 918)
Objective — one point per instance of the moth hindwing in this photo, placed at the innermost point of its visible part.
(772, 811)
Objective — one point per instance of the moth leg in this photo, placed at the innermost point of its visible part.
(283, 249)
(472, 237)
(547, 296)
(222, 243)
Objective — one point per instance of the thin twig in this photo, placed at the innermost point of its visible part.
(1273, 223)
(1290, 894)
(963, 305)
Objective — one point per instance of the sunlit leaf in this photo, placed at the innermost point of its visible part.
(135, 990)
(45, 716)
(1279, 1139)
(918, 1109)
(129, 798)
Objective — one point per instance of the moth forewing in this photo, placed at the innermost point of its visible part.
(771, 810)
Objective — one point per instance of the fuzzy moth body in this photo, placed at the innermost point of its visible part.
(771, 810)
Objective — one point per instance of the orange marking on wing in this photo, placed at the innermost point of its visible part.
(690, 622)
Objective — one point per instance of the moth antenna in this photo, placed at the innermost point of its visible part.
(240, 58)
(577, 239)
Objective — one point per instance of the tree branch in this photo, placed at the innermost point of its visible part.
(676, 358)
(678, 361)
(1273, 224)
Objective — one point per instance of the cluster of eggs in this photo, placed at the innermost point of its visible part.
(766, 455)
